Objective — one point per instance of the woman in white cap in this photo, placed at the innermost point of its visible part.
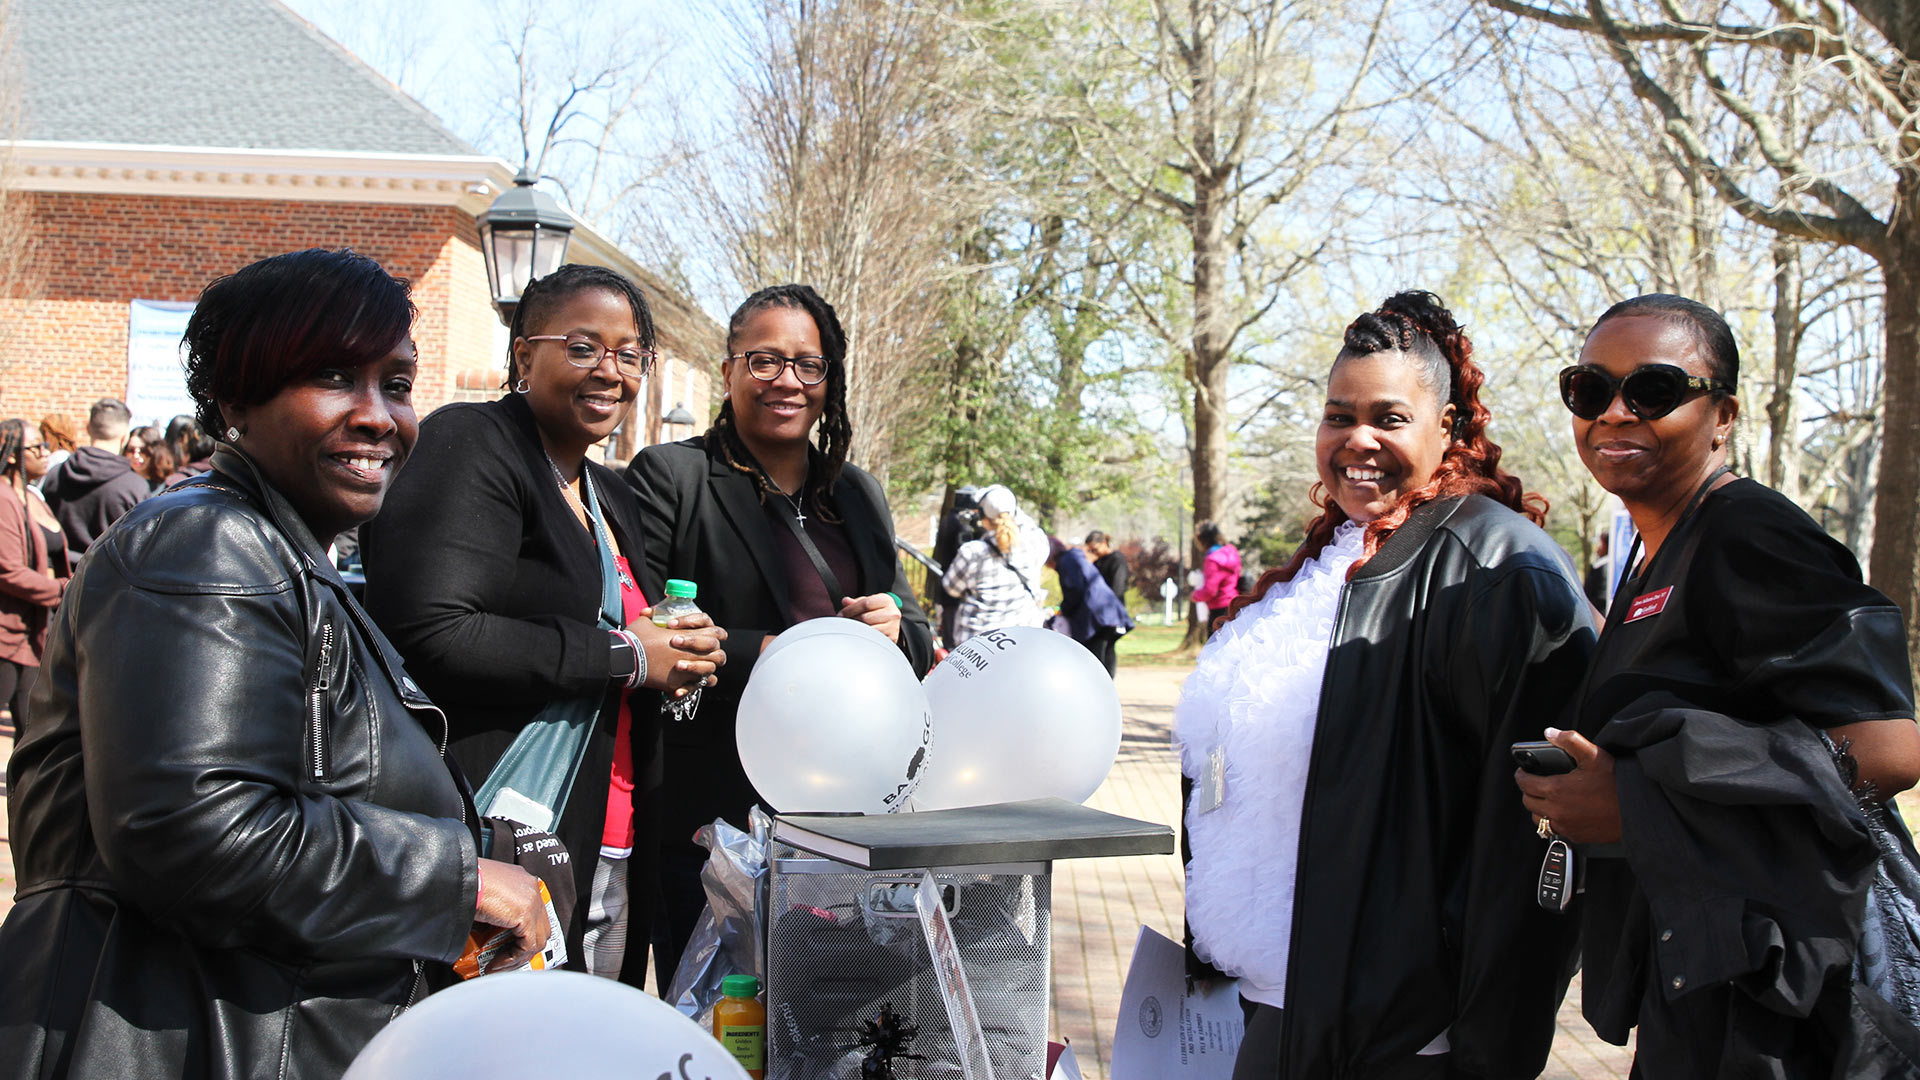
(997, 577)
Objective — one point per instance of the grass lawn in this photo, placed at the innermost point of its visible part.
(1153, 645)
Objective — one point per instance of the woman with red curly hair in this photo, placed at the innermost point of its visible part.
(1355, 857)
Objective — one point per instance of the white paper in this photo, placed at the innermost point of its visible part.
(962, 1016)
(1163, 1032)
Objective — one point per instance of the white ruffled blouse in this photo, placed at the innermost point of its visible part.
(1256, 694)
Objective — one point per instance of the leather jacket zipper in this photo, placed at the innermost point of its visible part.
(320, 684)
(413, 992)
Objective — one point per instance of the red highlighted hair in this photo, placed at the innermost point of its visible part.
(1418, 326)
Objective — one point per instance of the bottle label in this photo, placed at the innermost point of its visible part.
(747, 1044)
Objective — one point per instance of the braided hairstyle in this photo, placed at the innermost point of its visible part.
(836, 430)
(13, 443)
(542, 295)
(1419, 327)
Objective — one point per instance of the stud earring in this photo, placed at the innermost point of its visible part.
(233, 434)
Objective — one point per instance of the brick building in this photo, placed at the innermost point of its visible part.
(165, 142)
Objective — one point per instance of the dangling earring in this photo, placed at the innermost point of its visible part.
(233, 434)
(521, 386)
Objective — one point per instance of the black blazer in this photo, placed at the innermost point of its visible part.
(481, 575)
(704, 522)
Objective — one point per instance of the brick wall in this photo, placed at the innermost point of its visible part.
(67, 346)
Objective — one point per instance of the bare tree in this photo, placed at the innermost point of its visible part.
(1214, 113)
(575, 104)
(1850, 65)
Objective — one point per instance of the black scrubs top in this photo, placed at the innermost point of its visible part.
(1751, 610)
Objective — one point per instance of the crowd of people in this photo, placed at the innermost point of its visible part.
(254, 820)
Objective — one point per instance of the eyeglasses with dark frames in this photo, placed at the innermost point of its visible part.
(767, 366)
(584, 352)
(1649, 392)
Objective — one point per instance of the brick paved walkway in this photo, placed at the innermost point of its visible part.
(1100, 904)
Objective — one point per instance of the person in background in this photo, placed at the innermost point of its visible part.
(486, 571)
(94, 487)
(33, 568)
(146, 450)
(240, 851)
(1357, 860)
(1094, 616)
(57, 432)
(1220, 571)
(1747, 677)
(775, 529)
(997, 577)
(191, 448)
(1596, 582)
(1110, 563)
(956, 528)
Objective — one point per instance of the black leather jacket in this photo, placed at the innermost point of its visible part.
(239, 848)
(1414, 911)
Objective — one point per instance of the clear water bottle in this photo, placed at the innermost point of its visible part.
(680, 601)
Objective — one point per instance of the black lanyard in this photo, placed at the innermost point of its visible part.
(1634, 549)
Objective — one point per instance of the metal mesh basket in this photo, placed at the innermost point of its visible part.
(842, 941)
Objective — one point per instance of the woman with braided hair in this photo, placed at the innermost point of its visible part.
(775, 529)
(1354, 857)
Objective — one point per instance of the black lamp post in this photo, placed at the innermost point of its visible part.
(523, 236)
(679, 416)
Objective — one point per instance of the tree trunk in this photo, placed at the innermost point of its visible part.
(1783, 437)
(1209, 375)
(1896, 510)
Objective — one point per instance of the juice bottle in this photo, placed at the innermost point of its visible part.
(679, 601)
(740, 1023)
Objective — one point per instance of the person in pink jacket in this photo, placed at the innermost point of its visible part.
(1220, 572)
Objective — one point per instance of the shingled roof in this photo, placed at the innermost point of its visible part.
(242, 74)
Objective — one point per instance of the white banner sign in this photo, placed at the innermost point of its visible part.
(156, 374)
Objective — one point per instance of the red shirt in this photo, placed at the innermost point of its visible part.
(619, 829)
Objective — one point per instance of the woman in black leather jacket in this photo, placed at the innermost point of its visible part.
(240, 851)
(1356, 860)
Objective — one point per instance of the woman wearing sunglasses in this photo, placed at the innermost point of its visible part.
(1725, 859)
(486, 570)
(774, 529)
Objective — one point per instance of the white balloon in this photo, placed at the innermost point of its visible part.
(558, 1023)
(834, 723)
(831, 624)
(1022, 713)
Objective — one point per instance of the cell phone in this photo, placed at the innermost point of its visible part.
(1542, 758)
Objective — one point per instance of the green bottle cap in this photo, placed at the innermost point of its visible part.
(681, 587)
(740, 986)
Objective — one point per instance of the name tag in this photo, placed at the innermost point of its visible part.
(1649, 605)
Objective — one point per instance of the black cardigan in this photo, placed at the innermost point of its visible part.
(483, 578)
(704, 522)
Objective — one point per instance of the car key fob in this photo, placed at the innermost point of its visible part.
(1555, 892)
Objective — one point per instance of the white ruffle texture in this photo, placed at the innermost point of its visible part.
(1256, 691)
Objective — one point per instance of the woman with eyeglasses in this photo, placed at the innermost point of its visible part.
(774, 528)
(1726, 861)
(486, 571)
(33, 567)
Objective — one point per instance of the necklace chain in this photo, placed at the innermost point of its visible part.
(798, 504)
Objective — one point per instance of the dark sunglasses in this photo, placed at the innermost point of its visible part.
(1650, 392)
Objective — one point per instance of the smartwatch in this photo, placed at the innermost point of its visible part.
(621, 658)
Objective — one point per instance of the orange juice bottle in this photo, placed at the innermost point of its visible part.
(740, 1023)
